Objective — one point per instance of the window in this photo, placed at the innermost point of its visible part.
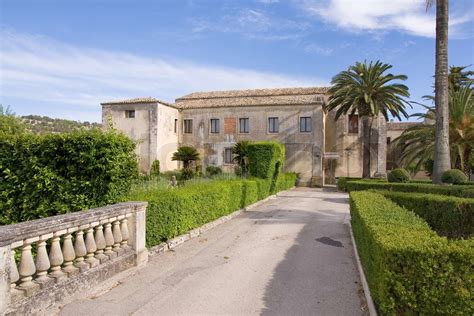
(215, 126)
(130, 113)
(273, 124)
(188, 126)
(244, 125)
(175, 125)
(353, 124)
(389, 140)
(305, 124)
(228, 155)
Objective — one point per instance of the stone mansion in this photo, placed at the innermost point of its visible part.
(317, 147)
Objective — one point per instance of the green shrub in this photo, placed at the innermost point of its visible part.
(448, 215)
(454, 176)
(398, 175)
(286, 181)
(213, 170)
(155, 168)
(457, 190)
(42, 176)
(409, 268)
(266, 159)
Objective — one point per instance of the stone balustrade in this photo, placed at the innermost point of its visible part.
(57, 253)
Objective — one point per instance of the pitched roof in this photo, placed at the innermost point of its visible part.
(138, 101)
(256, 97)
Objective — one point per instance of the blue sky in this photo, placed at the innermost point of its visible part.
(62, 58)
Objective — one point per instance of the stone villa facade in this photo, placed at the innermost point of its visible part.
(317, 147)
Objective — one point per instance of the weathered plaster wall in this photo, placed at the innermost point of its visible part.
(304, 151)
(138, 128)
(167, 138)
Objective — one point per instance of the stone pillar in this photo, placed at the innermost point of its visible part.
(5, 262)
(137, 229)
(381, 171)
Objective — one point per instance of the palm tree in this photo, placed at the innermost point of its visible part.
(459, 77)
(367, 90)
(442, 161)
(240, 151)
(186, 154)
(417, 143)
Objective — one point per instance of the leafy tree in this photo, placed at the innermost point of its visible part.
(240, 151)
(417, 143)
(442, 159)
(10, 124)
(366, 89)
(186, 154)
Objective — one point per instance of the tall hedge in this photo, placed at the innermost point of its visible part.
(266, 159)
(54, 174)
(410, 269)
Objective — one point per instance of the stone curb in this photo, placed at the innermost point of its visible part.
(365, 285)
(176, 241)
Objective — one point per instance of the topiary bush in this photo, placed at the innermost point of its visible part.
(155, 168)
(454, 190)
(409, 268)
(448, 215)
(53, 174)
(213, 171)
(454, 176)
(398, 175)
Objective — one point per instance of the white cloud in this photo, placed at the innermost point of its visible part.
(315, 48)
(41, 69)
(408, 16)
(254, 24)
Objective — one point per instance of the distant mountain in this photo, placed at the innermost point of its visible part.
(43, 124)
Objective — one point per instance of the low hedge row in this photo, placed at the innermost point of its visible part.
(409, 268)
(448, 215)
(172, 212)
(466, 191)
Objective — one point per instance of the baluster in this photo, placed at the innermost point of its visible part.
(69, 254)
(27, 267)
(56, 256)
(117, 236)
(91, 247)
(14, 276)
(125, 234)
(109, 241)
(100, 243)
(42, 262)
(80, 249)
(15, 293)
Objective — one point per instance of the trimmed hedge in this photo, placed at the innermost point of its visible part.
(454, 176)
(398, 175)
(266, 159)
(448, 215)
(409, 268)
(172, 212)
(454, 190)
(53, 174)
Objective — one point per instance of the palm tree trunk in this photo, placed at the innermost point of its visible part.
(467, 161)
(442, 160)
(366, 127)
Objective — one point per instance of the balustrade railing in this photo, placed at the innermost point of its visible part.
(37, 254)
